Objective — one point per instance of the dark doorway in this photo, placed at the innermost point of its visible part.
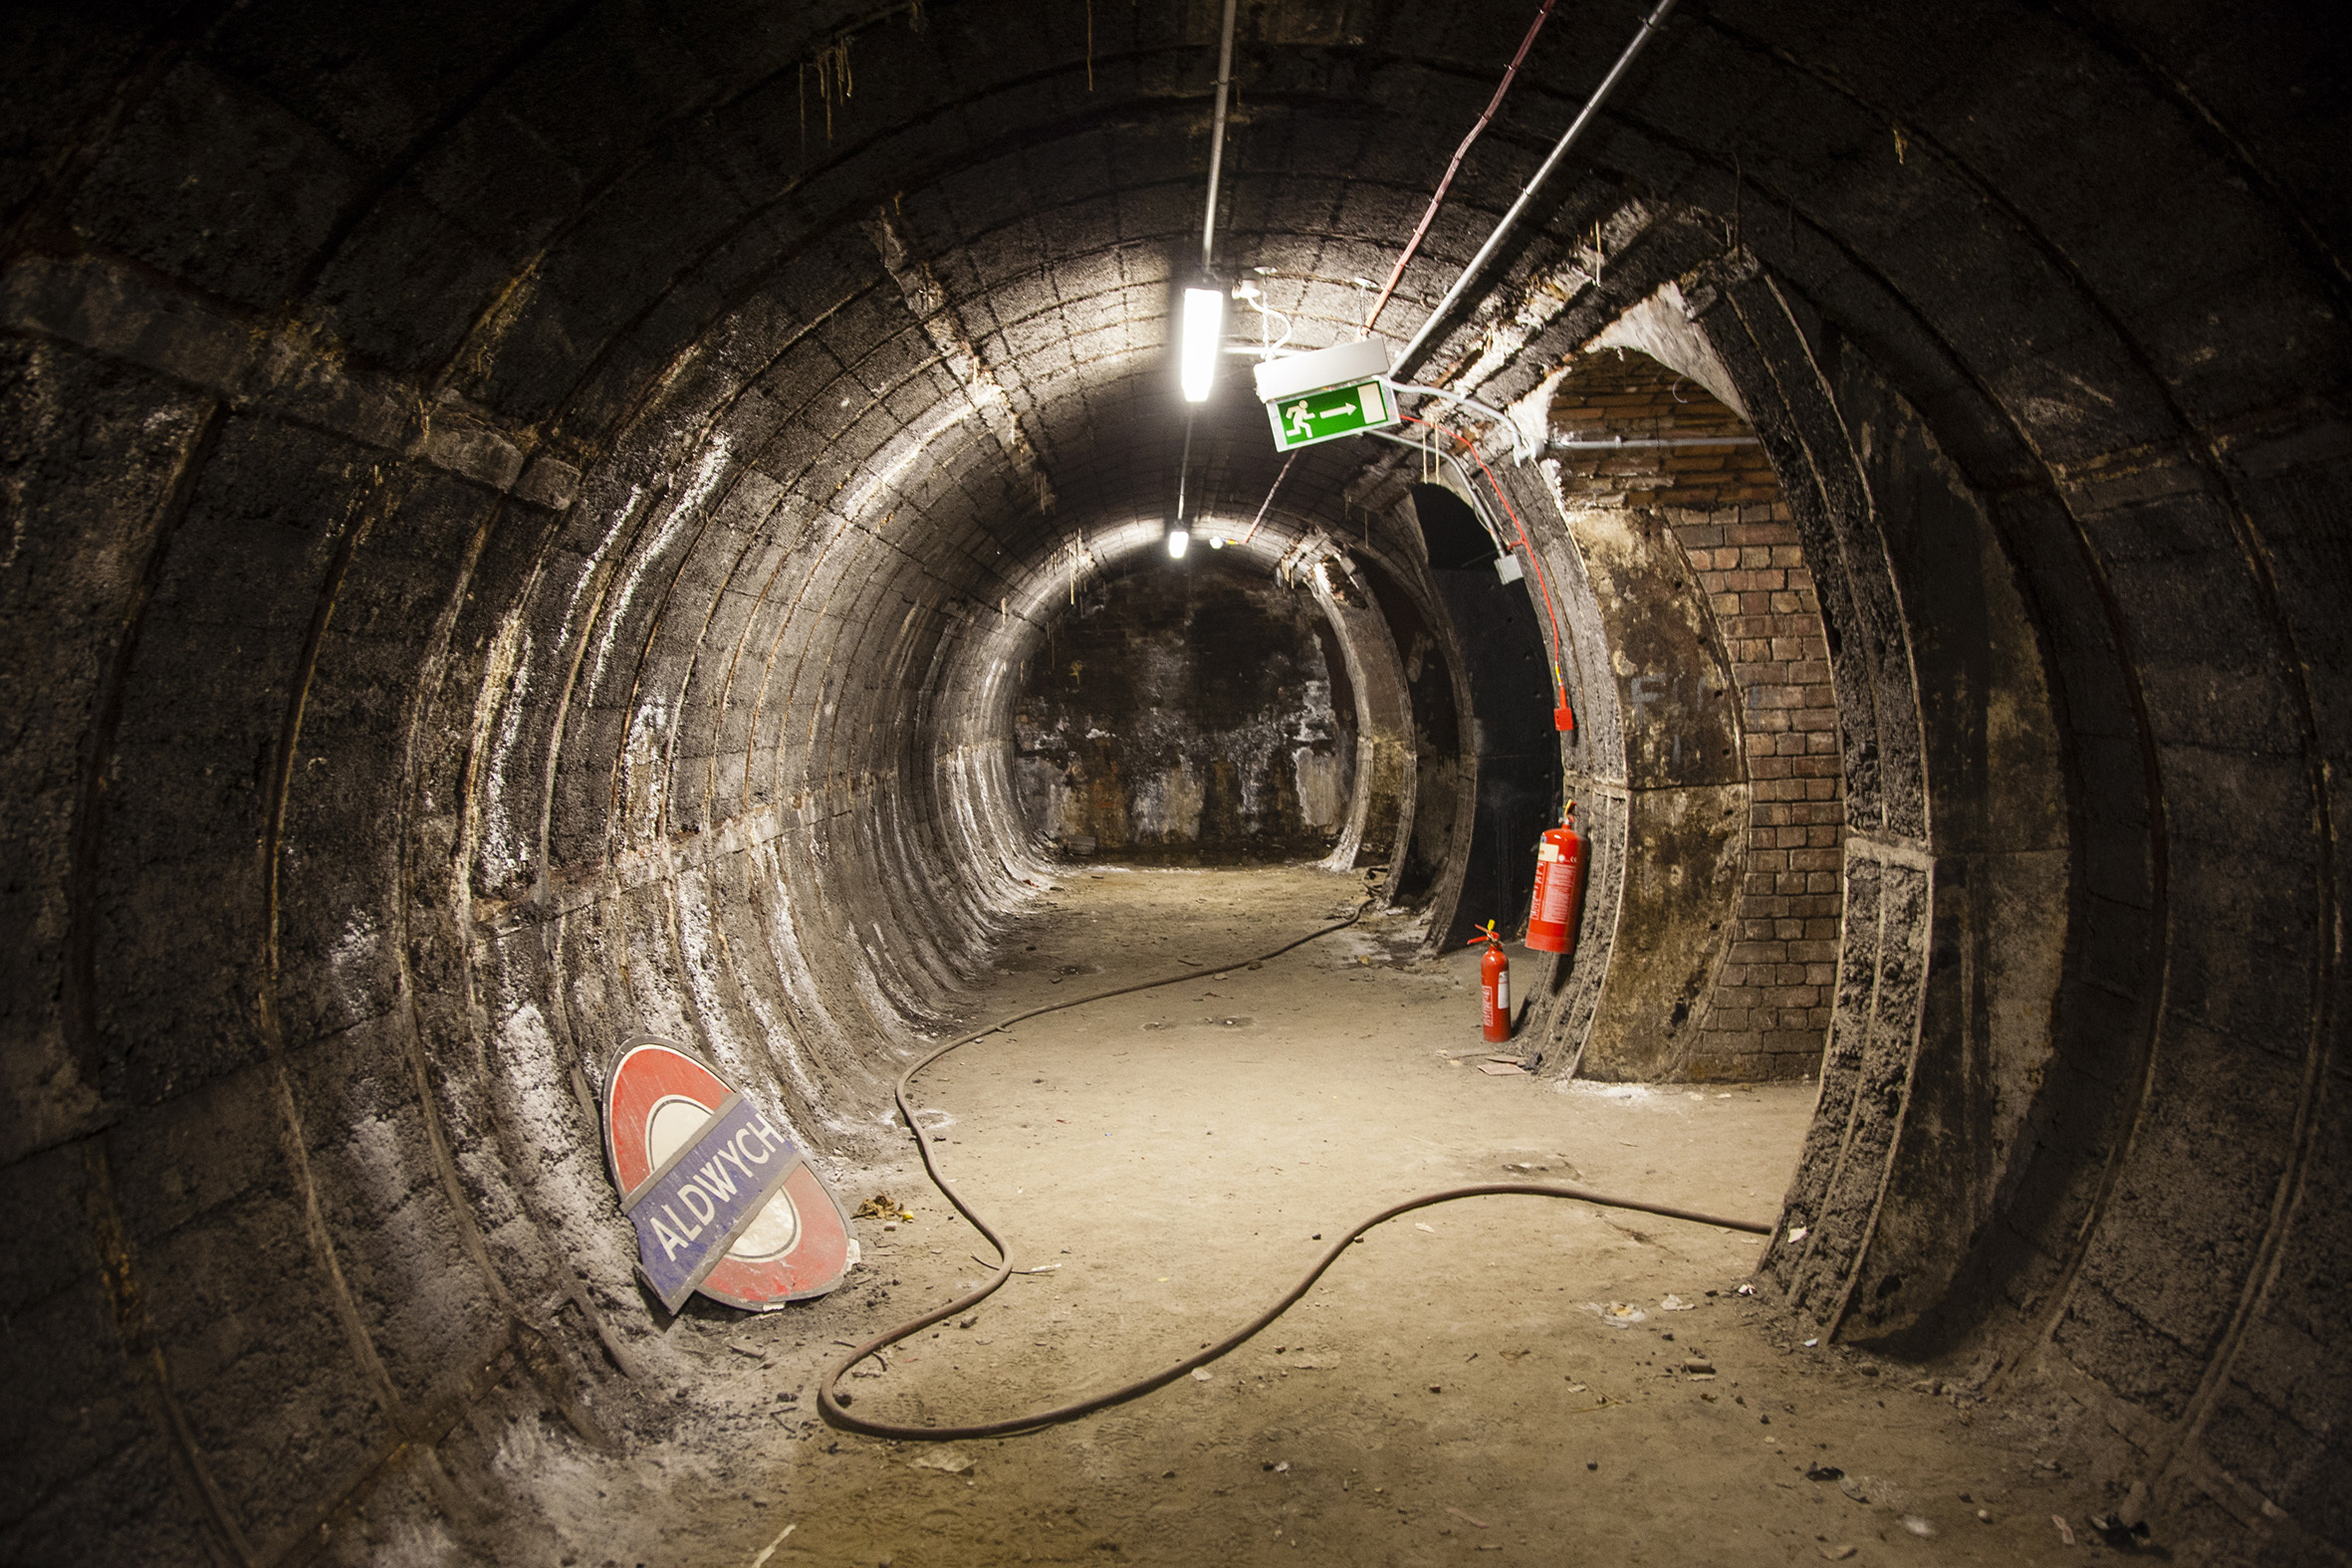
(1511, 702)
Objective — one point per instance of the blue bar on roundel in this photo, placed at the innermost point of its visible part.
(689, 1213)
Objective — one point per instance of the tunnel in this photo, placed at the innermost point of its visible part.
(532, 528)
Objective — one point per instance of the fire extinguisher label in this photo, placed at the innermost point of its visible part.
(1555, 901)
(1502, 992)
(1548, 850)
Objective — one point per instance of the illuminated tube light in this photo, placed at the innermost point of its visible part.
(1204, 328)
(1179, 540)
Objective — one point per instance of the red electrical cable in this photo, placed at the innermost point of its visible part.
(1414, 244)
(1269, 501)
(1559, 678)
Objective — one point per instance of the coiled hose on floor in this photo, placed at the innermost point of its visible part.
(833, 1404)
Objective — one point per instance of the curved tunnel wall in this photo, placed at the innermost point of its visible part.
(512, 525)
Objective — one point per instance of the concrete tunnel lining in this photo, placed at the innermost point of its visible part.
(515, 544)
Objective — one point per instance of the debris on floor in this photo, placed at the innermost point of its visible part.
(2126, 1526)
(883, 1206)
(1503, 1069)
(1618, 1314)
(1870, 1490)
(768, 1550)
(946, 1459)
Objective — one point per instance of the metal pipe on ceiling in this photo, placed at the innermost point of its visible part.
(1527, 196)
(1216, 135)
(1207, 229)
(1611, 444)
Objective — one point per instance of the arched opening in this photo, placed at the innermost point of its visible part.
(1499, 629)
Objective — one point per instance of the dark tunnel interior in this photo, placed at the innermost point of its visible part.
(531, 525)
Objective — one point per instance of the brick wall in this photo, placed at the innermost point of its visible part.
(1770, 1009)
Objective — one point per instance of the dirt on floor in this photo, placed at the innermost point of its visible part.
(1500, 1379)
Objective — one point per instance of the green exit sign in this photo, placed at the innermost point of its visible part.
(1332, 413)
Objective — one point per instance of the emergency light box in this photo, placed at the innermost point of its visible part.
(1332, 392)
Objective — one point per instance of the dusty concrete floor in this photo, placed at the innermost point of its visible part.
(1450, 1389)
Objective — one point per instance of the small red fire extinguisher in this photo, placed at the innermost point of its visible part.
(1494, 986)
(1559, 887)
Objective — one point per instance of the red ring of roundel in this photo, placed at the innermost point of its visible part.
(651, 1071)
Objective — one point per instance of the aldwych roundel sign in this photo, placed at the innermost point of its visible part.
(721, 1201)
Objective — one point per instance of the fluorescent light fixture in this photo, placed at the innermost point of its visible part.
(1179, 540)
(1204, 328)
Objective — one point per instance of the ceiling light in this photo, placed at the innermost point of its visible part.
(1179, 540)
(1204, 327)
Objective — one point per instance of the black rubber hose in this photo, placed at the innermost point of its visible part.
(833, 1405)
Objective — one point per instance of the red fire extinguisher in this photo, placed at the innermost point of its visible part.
(1493, 985)
(1559, 887)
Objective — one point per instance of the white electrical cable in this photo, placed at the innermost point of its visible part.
(1477, 502)
(1519, 439)
(1255, 297)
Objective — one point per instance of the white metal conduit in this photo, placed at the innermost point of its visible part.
(1612, 443)
(1203, 320)
(1485, 252)
(1217, 138)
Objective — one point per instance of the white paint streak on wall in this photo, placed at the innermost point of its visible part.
(644, 769)
(505, 855)
(1322, 792)
(684, 507)
(351, 966)
(1169, 804)
(905, 460)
